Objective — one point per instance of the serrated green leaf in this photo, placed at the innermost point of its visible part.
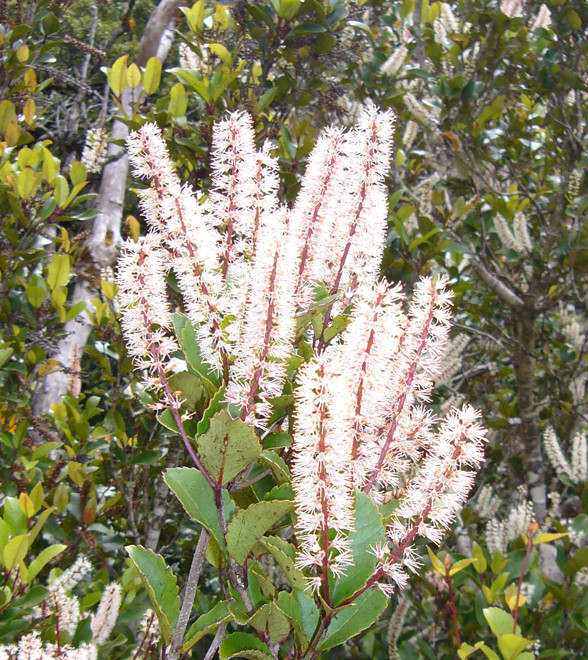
(197, 498)
(261, 588)
(216, 404)
(279, 549)
(238, 613)
(309, 610)
(243, 645)
(277, 465)
(189, 386)
(206, 624)
(186, 336)
(259, 619)
(166, 418)
(277, 626)
(369, 530)
(161, 585)
(360, 615)
(337, 326)
(251, 524)
(227, 448)
(289, 606)
(277, 441)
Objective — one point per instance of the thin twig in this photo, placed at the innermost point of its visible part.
(216, 642)
(240, 485)
(189, 593)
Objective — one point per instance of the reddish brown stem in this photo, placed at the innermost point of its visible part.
(449, 583)
(266, 340)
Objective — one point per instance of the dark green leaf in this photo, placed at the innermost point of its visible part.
(369, 530)
(243, 645)
(281, 551)
(364, 611)
(206, 624)
(197, 498)
(161, 585)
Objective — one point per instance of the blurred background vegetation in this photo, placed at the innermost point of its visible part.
(489, 185)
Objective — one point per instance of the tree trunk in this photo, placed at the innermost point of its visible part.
(105, 238)
(524, 363)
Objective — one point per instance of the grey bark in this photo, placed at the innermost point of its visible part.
(105, 237)
(524, 363)
(494, 284)
(188, 596)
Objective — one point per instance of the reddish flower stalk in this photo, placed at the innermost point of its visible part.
(449, 583)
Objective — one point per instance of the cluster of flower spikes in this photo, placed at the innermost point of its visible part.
(61, 609)
(248, 268)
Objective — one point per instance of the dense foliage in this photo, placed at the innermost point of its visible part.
(488, 186)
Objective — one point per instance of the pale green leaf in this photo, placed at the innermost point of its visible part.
(152, 75)
(227, 448)
(44, 557)
(251, 524)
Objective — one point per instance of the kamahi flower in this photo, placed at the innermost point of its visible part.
(146, 314)
(252, 274)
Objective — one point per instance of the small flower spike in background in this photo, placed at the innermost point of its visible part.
(312, 375)
(60, 614)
